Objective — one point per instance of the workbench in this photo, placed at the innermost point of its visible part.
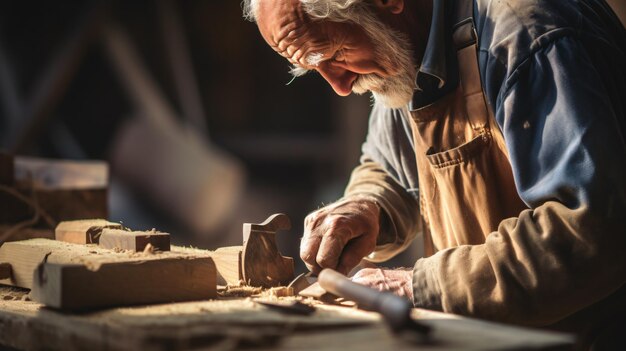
(233, 323)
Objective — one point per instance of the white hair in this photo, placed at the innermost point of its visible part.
(250, 8)
(332, 10)
(393, 49)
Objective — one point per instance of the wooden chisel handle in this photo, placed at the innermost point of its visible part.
(395, 309)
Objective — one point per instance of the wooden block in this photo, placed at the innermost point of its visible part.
(5, 271)
(134, 241)
(61, 174)
(228, 264)
(77, 287)
(25, 256)
(65, 190)
(86, 231)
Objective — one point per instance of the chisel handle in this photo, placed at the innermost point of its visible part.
(395, 309)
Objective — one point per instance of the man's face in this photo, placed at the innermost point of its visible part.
(345, 54)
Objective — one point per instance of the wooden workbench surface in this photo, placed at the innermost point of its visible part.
(233, 323)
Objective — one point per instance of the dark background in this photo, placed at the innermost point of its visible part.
(61, 98)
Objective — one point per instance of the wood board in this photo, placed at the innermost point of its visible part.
(59, 189)
(134, 240)
(228, 324)
(228, 264)
(84, 231)
(70, 269)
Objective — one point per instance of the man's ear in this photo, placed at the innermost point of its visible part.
(391, 6)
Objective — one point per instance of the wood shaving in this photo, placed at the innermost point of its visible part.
(239, 291)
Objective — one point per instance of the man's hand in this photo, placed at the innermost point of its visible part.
(398, 281)
(338, 236)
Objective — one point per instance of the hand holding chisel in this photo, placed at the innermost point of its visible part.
(395, 310)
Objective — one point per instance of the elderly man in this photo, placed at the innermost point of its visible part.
(498, 132)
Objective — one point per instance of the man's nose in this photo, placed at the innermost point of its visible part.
(340, 80)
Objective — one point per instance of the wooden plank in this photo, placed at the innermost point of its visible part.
(86, 231)
(42, 173)
(78, 287)
(60, 189)
(134, 241)
(25, 256)
(215, 323)
(228, 264)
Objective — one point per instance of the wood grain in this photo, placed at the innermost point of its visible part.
(215, 323)
(64, 190)
(25, 256)
(86, 231)
(228, 264)
(262, 264)
(134, 241)
(78, 287)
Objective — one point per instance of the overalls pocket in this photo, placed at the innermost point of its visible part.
(461, 172)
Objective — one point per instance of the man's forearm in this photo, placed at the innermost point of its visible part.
(400, 220)
(534, 270)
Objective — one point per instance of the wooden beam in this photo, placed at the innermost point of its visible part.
(56, 190)
(134, 241)
(25, 256)
(86, 231)
(79, 287)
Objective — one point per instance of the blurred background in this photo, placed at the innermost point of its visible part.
(187, 104)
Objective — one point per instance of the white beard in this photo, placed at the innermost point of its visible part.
(395, 54)
(392, 92)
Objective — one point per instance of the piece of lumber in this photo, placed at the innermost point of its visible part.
(84, 231)
(57, 190)
(134, 241)
(78, 287)
(228, 264)
(49, 174)
(213, 323)
(190, 270)
(262, 264)
(5, 271)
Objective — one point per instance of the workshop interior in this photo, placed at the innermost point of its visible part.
(179, 100)
(157, 163)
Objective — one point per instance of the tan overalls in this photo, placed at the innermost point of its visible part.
(466, 182)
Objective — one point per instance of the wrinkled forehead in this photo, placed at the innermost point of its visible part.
(287, 28)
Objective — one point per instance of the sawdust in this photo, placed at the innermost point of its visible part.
(243, 290)
(280, 291)
(238, 291)
(14, 294)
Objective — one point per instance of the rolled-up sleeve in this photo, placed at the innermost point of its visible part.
(568, 156)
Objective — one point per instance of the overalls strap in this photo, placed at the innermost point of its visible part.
(466, 45)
